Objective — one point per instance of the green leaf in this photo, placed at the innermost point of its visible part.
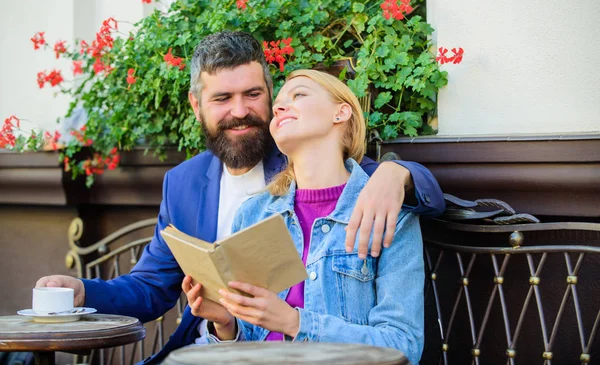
(306, 30)
(401, 58)
(389, 132)
(359, 85)
(382, 99)
(394, 117)
(318, 57)
(426, 104)
(424, 58)
(428, 91)
(374, 118)
(410, 131)
(382, 51)
(342, 75)
(89, 181)
(358, 7)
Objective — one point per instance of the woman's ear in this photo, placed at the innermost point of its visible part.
(343, 114)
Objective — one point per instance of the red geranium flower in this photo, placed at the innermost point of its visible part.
(7, 138)
(84, 47)
(41, 78)
(458, 55)
(66, 164)
(241, 4)
(130, 78)
(54, 77)
(173, 60)
(77, 69)
(38, 40)
(391, 9)
(442, 58)
(59, 48)
(275, 53)
(456, 58)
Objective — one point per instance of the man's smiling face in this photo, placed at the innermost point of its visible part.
(234, 111)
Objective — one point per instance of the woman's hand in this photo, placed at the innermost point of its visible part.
(265, 309)
(224, 322)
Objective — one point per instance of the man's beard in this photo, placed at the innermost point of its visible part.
(243, 151)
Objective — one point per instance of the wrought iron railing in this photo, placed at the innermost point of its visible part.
(515, 294)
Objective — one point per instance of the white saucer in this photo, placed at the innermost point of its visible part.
(57, 317)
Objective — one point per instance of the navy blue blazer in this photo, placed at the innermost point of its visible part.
(190, 202)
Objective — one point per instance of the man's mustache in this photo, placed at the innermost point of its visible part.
(250, 121)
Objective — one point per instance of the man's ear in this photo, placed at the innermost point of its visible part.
(343, 114)
(195, 105)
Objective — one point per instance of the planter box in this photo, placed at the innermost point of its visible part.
(554, 175)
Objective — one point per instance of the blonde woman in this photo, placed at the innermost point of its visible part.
(318, 124)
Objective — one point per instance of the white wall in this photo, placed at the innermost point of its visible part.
(529, 67)
(20, 63)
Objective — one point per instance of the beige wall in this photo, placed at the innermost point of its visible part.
(529, 67)
(20, 63)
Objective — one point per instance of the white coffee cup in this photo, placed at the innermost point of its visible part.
(52, 300)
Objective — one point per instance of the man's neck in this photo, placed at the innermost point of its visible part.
(240, 171)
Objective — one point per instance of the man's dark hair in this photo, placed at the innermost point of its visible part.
(226, 50)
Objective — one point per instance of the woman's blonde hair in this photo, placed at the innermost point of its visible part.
(353, 141)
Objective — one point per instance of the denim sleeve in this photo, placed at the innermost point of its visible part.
(428, 194)
(397, 319)
(151, 288)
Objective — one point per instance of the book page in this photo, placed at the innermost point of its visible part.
(263, 255)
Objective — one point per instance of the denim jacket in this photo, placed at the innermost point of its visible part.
(377, 301)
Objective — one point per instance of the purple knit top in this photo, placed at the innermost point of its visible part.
(309, 205)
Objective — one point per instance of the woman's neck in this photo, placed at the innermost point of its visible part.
(319, 166)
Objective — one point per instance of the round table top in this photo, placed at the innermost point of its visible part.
(289, 353)
(20, 333)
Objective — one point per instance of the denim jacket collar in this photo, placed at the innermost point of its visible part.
(345, 205)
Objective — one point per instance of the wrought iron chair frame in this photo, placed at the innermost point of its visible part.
(76, 258)
(500, 258)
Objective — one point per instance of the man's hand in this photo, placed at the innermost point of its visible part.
(224, 322)
(263, 309)
(377, 209)
(63, 281)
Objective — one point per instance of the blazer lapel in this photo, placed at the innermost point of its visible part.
(208, 205)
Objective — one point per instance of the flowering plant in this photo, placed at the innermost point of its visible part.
(134, 88)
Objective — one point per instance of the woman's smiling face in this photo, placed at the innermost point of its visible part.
(302, 110)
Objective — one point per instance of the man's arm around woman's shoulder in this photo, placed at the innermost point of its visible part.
(428, 199)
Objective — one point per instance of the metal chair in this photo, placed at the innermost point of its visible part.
(511, 294)
(108, 258)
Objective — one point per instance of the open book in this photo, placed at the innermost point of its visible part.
(263, 254)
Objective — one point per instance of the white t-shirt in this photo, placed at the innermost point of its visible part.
(234, 191)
